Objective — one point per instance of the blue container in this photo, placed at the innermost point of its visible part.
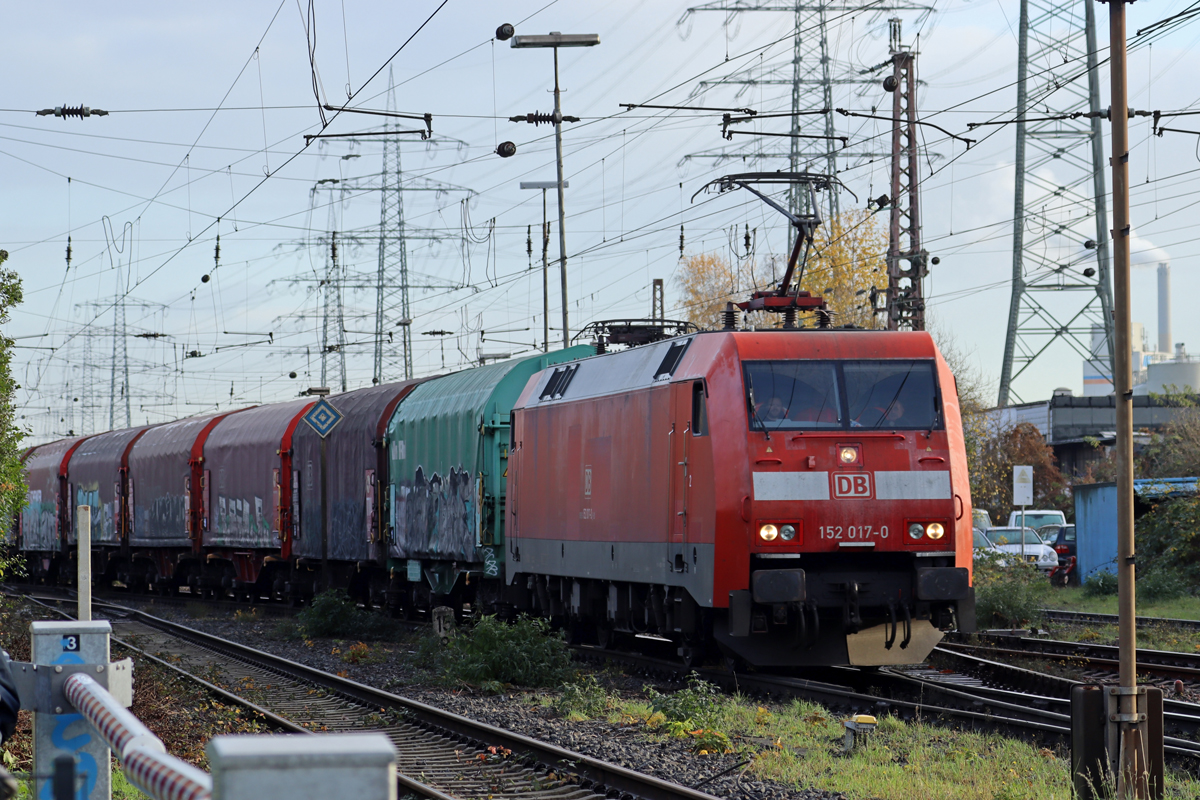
(1096, 517)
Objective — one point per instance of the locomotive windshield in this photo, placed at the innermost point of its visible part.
(814, 395)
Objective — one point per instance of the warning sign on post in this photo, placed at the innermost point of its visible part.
(1022, 486)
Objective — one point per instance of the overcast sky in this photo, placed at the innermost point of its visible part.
(210, 105)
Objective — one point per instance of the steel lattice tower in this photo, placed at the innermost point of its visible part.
(393, 250)
(907, 261)
(811, 74)
(120, 361)
(87, 412)
(334, 315)
(1061, 285)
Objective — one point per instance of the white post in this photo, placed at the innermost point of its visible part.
(1022, 533)
(83, 516)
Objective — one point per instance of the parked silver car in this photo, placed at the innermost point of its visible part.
(1037, 552)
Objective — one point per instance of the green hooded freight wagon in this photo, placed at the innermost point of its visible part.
(448, 454)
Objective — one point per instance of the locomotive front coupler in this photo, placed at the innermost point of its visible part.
(851, 614)
(805, 633)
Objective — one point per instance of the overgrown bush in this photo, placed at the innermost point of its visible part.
(584, 698)
(492, 653)
(1161, 584)
(1008, 592)
(693, 712)
(334, 615)
(1168, 547)
(697, 706)
(1100, 584)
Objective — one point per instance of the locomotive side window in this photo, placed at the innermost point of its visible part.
(699, 410)
(891, 394)
(786, 395)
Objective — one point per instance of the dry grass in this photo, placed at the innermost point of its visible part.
(180, 713)
(799, 744)
(1073, 599)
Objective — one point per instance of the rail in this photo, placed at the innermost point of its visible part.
(1087, 617)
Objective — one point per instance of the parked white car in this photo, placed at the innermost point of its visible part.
(983, 545)
(1037, 518)
(1037, 552)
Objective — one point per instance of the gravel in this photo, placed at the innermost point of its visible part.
(627, 745)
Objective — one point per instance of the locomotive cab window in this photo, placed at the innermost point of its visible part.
(891, 394)
(815, 395)
(785, 395)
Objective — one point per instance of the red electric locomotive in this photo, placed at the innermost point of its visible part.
(795, 497)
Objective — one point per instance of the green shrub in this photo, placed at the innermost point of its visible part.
(1100, 584)
(1008, 592)
(1168, 540)
(492, 653)
(1156, 584)
(288, 630)
(697, 706)
(583, 699)
(694, 712)
(334, 615)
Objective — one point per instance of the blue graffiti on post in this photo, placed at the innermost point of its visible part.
(85, 762)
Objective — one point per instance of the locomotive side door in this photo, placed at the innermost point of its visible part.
(680, 477)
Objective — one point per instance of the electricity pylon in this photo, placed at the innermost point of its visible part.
(393, 249)
(1061, 284)
(813, 74)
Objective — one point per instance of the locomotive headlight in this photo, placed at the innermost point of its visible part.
(848, 455)
(916, 530)
(787, 532)
(768, 532)
(934, 530)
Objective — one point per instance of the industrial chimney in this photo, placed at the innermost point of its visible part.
(1164, 307)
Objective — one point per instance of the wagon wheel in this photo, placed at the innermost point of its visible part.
(605, 635)
(691, 656)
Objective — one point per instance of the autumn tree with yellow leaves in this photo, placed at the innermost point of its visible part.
(847, 259)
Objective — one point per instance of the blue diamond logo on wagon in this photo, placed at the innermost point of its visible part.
(323, 417)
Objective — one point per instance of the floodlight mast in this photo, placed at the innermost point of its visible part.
(556, 40)
(785, 299)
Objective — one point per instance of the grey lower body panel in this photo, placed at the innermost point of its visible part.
(629, 562)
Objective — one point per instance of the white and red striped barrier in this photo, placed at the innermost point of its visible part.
(145, 760)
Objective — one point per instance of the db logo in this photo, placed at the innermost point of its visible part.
(857, 485)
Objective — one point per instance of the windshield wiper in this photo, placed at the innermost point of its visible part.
(754, 406)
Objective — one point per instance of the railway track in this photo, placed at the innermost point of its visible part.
(959, 688)
(182, 600)
(1081, 617)
(929, 694)
(984, 677)
(440, 754)
(1161, 663)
